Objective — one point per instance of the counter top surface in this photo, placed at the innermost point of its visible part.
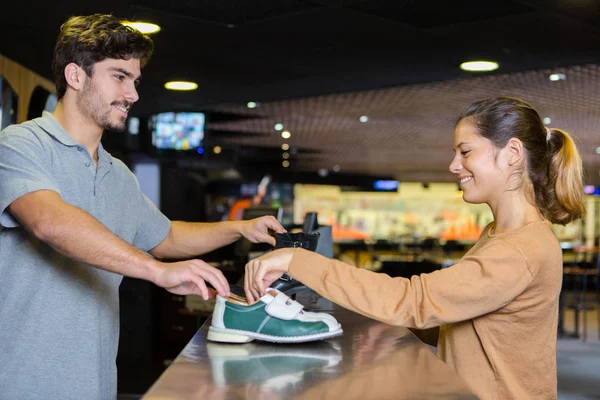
(371, 360)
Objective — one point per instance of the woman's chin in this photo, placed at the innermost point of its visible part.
(471, 198)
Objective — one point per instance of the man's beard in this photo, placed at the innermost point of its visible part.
(91, 102)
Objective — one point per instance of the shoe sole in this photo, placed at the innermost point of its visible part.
(238, 336)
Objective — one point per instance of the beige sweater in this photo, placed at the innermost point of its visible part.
(497, 307)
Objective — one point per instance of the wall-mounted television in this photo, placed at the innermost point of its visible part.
(177, 130)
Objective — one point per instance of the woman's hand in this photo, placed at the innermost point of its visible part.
(263, 271)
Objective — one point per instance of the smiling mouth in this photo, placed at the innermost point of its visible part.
(465, 180)
(122, 109)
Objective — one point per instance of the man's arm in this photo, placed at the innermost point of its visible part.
(189, 239)
(78, 235)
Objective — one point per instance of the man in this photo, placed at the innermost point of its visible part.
(73, 221)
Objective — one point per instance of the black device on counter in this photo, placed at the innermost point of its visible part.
(305, 240)
(310, 222)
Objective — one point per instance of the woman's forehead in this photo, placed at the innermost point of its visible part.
(465, 129)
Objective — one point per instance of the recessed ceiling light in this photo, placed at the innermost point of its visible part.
(285, 156)
(278, 127)
(336, 168)
(144, 27)
(479, 66)
(251, 104)
(363, 118)
(547, 120)
(323, 172)
(557, 77)
(597, 150)
(285, 163)
(217, 149)
(286, 134)
(285, 147)
(181, 85)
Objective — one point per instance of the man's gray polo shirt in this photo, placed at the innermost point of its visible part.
(59, 319)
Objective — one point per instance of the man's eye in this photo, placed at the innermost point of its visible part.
(120, 77)
(464, 153)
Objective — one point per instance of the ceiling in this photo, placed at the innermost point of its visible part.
(316, 66)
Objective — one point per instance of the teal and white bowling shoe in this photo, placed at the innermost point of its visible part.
(274, 318)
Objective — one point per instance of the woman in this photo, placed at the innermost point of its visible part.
(497, 308)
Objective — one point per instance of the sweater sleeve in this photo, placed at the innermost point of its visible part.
(476, 285)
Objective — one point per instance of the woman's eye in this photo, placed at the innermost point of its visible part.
(464, 153)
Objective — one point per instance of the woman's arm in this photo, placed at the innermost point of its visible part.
(476, 285)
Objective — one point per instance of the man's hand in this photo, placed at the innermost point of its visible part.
(257, 230)
(189, 277)
(264, 270)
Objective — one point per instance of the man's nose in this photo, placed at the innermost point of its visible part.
(132, 94)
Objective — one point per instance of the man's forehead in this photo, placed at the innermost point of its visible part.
(132, 65)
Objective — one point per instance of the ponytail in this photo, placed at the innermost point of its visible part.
(560, 195)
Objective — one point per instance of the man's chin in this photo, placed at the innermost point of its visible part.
(117, 129)
(115, 126)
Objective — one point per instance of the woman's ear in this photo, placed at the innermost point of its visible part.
(74, 76)
(515, 151)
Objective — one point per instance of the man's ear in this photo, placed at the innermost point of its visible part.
(75, 76)
(515, 152)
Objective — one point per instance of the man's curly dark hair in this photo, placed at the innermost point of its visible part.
(86, 40)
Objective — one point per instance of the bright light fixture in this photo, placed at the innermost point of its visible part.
(217, 149)
(597, 150)
(363, 118)
(251, 104)
(285, 156)
(286, 134)
(285, 147)
(479, 66)
(144, 27)
(181, 85)
(557, 77)
(547, 120)
(278, 127)
(285, 163)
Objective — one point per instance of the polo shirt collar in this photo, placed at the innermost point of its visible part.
(52, 127)
(104, 156)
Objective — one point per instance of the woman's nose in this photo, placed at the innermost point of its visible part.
(455, 165)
